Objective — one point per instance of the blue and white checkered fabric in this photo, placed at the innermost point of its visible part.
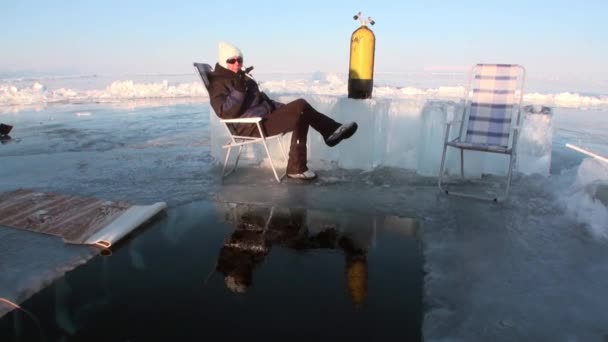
(494, 92)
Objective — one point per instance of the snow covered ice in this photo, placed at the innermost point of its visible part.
(512, 271)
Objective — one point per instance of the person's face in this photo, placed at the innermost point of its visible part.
(236, 65)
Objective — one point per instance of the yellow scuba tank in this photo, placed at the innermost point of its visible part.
(361, 71)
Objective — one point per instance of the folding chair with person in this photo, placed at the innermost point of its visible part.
(238, 140)
(490, 118)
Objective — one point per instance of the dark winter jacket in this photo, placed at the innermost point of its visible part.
(228, 102)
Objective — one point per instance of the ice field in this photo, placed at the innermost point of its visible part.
(532, 268)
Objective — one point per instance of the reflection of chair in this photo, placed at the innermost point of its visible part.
(240, 141)
(490, 118)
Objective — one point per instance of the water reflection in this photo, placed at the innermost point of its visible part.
(319, 275)
(258, 230)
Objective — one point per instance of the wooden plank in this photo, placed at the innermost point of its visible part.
(30, 207)
(93, 221)
(53, 221)
(10, 199)
(72, 218)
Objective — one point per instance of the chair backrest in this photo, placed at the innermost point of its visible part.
(204, 69)
(493, 102)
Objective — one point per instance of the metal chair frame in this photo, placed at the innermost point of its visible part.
(462, 141)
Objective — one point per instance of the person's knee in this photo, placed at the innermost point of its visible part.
(302, 105)
(300, 119)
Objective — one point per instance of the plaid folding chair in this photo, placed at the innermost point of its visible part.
(240, 141)
(490, 118)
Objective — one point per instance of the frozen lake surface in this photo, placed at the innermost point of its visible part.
(533, 268)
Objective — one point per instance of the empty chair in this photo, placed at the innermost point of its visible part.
(490, 118)
(240, 141)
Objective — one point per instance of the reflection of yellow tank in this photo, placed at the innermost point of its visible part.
(356, 279)
(361, 70)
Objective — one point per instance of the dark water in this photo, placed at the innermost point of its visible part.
(211, 271)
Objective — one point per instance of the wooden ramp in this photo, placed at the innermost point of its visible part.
(74, 219)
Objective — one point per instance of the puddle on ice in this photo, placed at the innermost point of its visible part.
(227, 271)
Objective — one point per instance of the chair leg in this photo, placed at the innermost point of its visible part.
(512, 162)
(512, 158)
(274, 170)
(276, 176)
(224, 173)
(509, 175)
(233, 142)
(226, 162)
(284, 154)
(445, 147)
(461, 163)
(236, 162)
(282, 149)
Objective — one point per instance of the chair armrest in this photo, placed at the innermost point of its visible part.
(242, 120)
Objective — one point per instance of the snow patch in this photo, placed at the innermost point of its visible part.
(587, 199)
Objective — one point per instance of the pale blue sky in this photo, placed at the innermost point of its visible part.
(120, 36)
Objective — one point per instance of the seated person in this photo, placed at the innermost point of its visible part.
(234, 94)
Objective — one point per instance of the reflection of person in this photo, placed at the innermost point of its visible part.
(248, 245)
(258, 230)
(242, 252)
(234, 94)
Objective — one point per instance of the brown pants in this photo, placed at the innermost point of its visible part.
(296, 117)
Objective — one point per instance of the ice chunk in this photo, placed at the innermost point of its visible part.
(431, 135)
(400, 134)
(403, 133)
(587, 198)
(535, 139)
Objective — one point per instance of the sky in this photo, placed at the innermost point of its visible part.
(560, 38)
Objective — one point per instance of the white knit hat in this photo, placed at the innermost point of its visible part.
(226, 51)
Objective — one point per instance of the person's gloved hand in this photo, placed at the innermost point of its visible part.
(240, 81)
